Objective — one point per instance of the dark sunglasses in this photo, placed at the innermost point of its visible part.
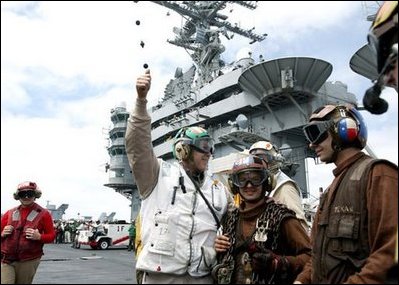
(26, 194)
(317, 131)
(254, 176)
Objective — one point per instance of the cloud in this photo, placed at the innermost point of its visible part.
(65, 160)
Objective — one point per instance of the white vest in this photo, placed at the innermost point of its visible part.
(281, 179)
(178, 230)
(291, 200)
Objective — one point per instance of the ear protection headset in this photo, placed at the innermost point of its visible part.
(27, 185)
(181, 147)
(348, 128)
(181, 150)
(196, 137)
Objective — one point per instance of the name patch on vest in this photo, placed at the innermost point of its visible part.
(343, 209)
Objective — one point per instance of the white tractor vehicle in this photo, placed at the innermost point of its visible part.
(115, 234)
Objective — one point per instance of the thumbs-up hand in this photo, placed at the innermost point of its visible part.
(143, 84)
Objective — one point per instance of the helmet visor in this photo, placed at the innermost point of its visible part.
(263, 154)
(203, 145)
(374, 46)
(255, 176)
(386, 53)
(317, 131)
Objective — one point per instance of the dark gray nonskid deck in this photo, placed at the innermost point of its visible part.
(62, 264)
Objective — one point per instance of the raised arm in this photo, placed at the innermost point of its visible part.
(139, 150)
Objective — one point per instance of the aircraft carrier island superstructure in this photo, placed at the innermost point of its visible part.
(242, 102)
(120, 176)
(245, 101)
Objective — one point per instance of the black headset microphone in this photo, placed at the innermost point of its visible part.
(371, 99)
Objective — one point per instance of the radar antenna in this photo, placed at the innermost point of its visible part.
(200, 33)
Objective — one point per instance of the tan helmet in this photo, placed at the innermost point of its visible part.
(383, 34)
(343, 122)
(26, 186)
(269, 153)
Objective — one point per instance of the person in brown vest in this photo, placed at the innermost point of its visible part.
(354, 231)
(262, 242)
(24, 231)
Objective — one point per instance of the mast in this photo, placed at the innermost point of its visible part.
(200, 34)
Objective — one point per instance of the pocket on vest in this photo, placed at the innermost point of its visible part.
(162, 239)
(344, 232)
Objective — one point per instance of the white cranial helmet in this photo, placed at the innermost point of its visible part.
(269, 153)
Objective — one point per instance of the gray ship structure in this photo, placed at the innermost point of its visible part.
(56, 213)
(238, 103)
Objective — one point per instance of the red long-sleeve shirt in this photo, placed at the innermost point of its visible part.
(45, 226)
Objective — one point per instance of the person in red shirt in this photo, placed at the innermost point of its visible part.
(24, 231)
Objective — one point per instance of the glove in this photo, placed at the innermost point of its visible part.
(268, 263)
(263, 262)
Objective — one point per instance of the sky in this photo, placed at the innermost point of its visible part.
(65, 65)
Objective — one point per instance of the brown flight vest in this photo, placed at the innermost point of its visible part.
(341, 244)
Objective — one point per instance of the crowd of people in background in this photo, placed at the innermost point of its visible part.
(67, 231)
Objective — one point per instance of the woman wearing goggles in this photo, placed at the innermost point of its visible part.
(255, 177)
(261, 234)
(250, 178)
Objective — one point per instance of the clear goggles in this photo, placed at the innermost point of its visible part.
(254, 176)
(317, 131)
(203, 145)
